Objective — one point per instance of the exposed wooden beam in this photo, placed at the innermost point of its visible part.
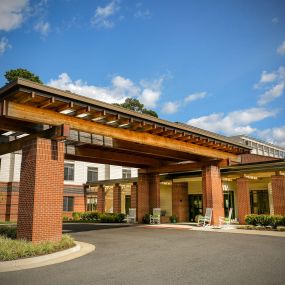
(98, 116)
(67, 106)
(47, 102)
(184, 167)
(18, 126)
(49, 117)
(103, 161)
(26, 98)
(55, 133)
(83, 112)
(116, 156)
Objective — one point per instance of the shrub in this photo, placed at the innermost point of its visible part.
(65, 218)
(90, 216)
(265, 220)
(146, 219)
(9, 232)
(76, 216)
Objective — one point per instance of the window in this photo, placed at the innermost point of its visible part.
(259, 202)
(69, 171)
(127, 173)
(92, 174)
(68, 204)
(91, 203)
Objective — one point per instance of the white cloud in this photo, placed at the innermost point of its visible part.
(4, 45)
(273, 85)
(281, 48)
(120, 89)
(142, 12)
(170, 107)
(12, 14)
(266, 77)
(275, 20)
(271, 94)
(152, 91)
(236, 122)
(274, 135)
(195, 96)
(43, 28)
(103, 15)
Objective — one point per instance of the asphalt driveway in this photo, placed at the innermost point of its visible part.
(136, 255)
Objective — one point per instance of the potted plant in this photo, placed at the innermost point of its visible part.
(173, 219)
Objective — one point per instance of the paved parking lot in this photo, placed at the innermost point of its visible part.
(136, 255)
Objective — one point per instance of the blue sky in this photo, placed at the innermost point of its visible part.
(218, 65)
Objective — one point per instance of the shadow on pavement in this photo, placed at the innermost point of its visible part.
(74, 228)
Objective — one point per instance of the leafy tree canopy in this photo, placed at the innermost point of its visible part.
(135, 105)
(13, 74)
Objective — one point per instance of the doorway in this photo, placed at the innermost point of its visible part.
(229, 202)
(195, 206)
(127, 203)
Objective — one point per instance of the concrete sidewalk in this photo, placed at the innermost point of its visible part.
(232, 230)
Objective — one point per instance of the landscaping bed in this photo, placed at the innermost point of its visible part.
(264, 222)
(11, 248)
(95, 217)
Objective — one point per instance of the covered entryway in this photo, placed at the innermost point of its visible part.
(50, 125)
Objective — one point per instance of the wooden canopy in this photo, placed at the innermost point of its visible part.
(99, 132)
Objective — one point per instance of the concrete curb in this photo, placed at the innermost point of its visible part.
(79, 250)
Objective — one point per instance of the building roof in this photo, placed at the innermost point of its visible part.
(50, 98)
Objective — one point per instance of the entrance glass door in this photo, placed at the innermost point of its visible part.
(127, 203)
(195, 206)
(259, 202)
(229, 203)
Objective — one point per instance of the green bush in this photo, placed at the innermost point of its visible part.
(9, 232)
(265, 220)
(90, 216)
(76, 216)
(146, 219)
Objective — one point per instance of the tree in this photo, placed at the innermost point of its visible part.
(135, 105)
(13, 74)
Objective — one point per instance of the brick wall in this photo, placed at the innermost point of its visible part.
(9, 196)
(154, 191)
(117, 198)
(278, 194)
(101, 199)
(134, 195)
(213, 192)
(180, 203)
(41, 191)
(243, 200)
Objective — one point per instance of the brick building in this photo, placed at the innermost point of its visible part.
(66, 140)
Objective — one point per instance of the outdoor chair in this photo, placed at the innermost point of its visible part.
(205, 221)
(155, 217)
(226, 222)
(132, 216)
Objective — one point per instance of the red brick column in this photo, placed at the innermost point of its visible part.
(117, 191)
(243, 200)
(41, 191)
(278, 194)
(213, 192)
(148, 194)
(134, 195)
(101, 199)
(142, 196)
(154, 191)
(180, 202)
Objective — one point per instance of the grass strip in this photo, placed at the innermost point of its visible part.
(11, 249)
